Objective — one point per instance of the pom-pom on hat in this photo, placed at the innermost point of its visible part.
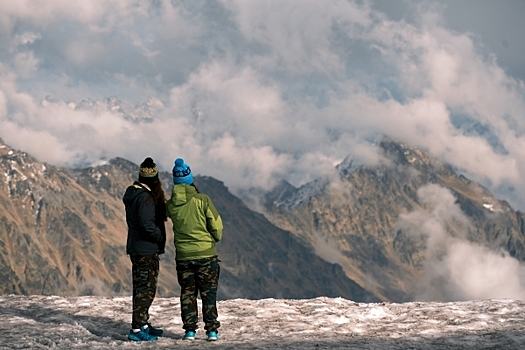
(148, 172)
(182, 173)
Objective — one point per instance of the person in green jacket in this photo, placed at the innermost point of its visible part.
(197, 227)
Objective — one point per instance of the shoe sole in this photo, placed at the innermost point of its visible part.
(213, 338)
(184, 337)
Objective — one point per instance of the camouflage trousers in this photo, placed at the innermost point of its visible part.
(145, 272)
(199, 276)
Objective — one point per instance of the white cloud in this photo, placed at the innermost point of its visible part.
(296, 35)
(453, 267)
(481, 273)
(41, 13)
(25, 38)
(298, 85)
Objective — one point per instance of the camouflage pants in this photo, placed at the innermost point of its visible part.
(199, 276)
(145, 272)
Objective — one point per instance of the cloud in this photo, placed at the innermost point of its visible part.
(453, 267)
(297, 37)
(488, 274)
(257, 91)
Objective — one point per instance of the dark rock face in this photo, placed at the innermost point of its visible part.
(368, 220)
(63, 232)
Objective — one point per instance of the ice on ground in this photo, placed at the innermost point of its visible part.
(51, 322)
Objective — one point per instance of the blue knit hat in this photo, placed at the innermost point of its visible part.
(182, 173)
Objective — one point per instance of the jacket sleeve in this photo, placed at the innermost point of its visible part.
(213, 221)
(161, 218)
(147, 219)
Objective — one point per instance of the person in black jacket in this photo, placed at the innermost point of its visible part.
(145, 215)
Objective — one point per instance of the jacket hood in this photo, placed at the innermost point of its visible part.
(133, 192)
(182, 193)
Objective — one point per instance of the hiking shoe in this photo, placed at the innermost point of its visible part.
(157, 332)
(189, 335)
(142, 335)
(212, 335)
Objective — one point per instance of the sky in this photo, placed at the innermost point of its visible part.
(252, 92)
(50, 322)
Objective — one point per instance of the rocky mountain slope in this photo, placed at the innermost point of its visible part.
(63, 232)
(271, 261)
(389, 225)
(369, 233)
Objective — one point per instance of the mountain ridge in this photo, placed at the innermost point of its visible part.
(374, 220)
(369, 233)
(62, 232)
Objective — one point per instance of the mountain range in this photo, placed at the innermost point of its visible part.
(365, 234)
(63, 232)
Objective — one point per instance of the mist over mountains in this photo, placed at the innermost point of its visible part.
(410, 228)
(143, 111)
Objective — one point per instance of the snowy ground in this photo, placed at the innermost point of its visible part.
(40, 322)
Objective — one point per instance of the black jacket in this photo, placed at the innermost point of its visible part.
(146, 227)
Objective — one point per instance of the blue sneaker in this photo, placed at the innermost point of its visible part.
(189, 335)
(212, 335)
(157, 332)
(142, 335)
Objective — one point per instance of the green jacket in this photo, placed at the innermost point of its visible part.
(197, 225)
